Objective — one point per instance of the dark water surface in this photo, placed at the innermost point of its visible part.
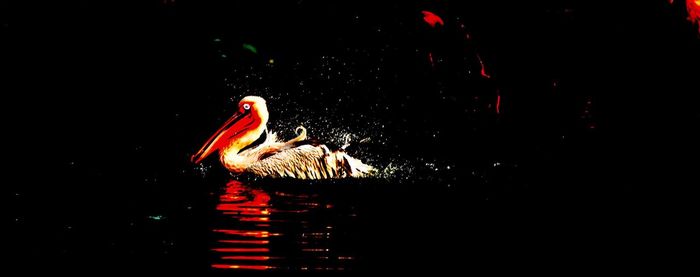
(262, 225)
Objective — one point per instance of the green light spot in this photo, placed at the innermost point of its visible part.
(250, 47)
(156, 217)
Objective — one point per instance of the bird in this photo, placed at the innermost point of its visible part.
(245, 145)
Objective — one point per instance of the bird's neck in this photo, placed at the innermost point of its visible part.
(229, 155)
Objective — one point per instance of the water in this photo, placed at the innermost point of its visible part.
(281, 229)
(348, 225)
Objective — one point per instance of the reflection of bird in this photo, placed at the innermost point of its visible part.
(245, 145)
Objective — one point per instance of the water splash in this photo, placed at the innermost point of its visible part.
(316, 93)
(202, 169)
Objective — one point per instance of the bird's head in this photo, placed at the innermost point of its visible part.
(243, 128)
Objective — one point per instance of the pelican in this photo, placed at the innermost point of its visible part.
(246, 146)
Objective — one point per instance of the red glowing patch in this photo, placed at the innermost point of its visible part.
(246, 258)
(432, 19)
(498, 104)
(430, 59)
(693, 7)
(246, 233)
(250, 267)
(483, 68)
(231, 249)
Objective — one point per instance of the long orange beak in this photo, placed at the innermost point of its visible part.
(221, 138)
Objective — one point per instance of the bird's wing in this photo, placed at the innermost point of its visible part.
(310, 161)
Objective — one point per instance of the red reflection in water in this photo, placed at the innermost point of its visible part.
(245, 241)
(241, 249)
(246, 258)
(257, 234)
(246, 205)
(255, 219)
(251, 267)
(252, 221)
(432, 19)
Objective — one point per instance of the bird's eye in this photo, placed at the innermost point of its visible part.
(246, 106)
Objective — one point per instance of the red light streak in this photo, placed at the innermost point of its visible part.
(498, 104)
(257, 234)
(246, 258)
(255, 219)
(483, 68)
(251, 267)
(245, 241)
(241, 250)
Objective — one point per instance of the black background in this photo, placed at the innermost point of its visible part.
(104, 102)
